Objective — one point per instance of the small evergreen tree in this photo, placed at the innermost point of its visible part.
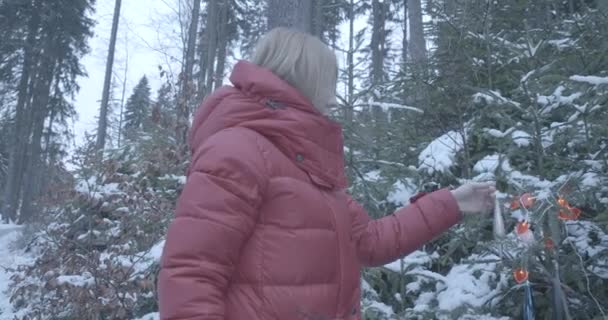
(137, 110)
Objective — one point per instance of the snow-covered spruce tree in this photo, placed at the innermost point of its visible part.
(137, 109)
(522, 103)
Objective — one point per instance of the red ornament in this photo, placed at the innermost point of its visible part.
(520, 275)
(549, 244)
(522, 227)
(527, 200)
(562, 202)
(569, 214)
(515, 204)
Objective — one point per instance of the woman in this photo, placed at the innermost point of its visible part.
(264, 228)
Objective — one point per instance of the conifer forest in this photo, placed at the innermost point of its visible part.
(97, 96)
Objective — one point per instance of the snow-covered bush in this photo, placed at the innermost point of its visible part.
(100, 251)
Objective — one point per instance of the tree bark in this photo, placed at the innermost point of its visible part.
(39, 113)
(103, 110)
(404, 43)
(417, 43)
(350, 60)
(20, 130)
(121, 115)
(186, 88)
(317, 18)
(378, 40)
(222, 42)
(296, 14)
(211, 30)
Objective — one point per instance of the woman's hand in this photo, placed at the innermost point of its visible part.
(475, 197)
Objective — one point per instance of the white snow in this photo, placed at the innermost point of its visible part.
(594, 80)
(10, 258)
(590, 179)
(578, 236)
(373, 176)
(150, 316)
(490, 163)
(491, 96)
(556, 99)
(463, 287)
(402, 192)
(140, 262)
(521, 138)
(497, 133)
(440, 154)
(415, 258)
(562, 43)
(388, 106)
(83, 280)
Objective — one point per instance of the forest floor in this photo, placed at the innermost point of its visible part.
(11, 256)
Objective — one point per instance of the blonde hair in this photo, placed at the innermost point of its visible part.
(303, 61)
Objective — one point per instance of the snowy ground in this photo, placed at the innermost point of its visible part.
(10, 257)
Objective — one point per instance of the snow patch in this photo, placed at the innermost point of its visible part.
(521, 138)
(10, 258)
(415, 258)
(150, 316)
(490, 163)
(440, 154)
(401, 192)
(497, 133)
(84, 280)
(469, 285)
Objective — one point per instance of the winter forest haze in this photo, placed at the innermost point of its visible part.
(96, 99)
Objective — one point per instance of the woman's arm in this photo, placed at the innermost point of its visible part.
(216, 214)
(389, 238)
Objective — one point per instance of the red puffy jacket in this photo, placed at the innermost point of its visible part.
(264, 228)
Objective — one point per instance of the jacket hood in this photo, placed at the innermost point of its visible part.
(261, 101)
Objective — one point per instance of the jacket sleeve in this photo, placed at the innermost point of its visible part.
(384, 240)
(215, 215)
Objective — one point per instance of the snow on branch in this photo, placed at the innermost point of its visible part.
(440, 154)
(492, 96)
(594, 80)
(387, 106)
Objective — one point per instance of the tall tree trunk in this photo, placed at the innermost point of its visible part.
(122, 98)
(187, 85)
(211, 30)
(296, 14)
(417, 42)
(39, 113)
(202, 53)
(404, 40)
(20, 130)
(224, 10)
(317, 18)
(417, 50)
(350, 60)
(103, 110)
(378, 40)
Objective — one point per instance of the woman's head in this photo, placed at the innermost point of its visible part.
(303, 61)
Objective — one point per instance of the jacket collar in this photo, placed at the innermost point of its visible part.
(263, 102)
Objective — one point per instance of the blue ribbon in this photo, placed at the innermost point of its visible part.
(528, 303)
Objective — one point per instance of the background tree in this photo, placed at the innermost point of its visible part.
(138, 109)
(296, 14)
(53, 39)
(103, 110)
